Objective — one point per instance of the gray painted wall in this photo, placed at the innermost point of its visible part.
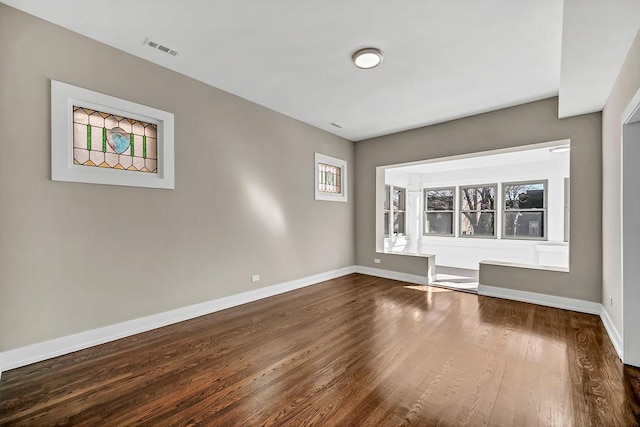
(626, 86)
(74, 257)
(521, 125)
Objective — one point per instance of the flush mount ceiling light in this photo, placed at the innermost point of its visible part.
(560, 149)
(369, 57)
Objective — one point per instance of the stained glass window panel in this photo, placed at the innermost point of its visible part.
(108, 141)
(329, 178)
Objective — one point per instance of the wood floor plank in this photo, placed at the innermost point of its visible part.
(356, 350)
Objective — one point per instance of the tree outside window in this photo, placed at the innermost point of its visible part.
(399, 210)
(387, 209)
(439, 205)
(478, 211)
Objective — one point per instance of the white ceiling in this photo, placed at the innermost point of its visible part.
(443, 59)
(597, 35)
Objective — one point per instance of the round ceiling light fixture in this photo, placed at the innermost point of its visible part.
(560, 149)
(366, 58)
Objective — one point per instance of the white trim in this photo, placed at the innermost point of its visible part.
(632, 112)
(64, 96)
(613, 333)
(395, 275)
(540, 299)
(580, 306)
(629, 288)
(56, 347)
(339, 163)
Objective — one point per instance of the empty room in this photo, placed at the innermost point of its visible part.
(320, 213)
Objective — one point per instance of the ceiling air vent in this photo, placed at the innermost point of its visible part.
(335, 125)
(160, 47)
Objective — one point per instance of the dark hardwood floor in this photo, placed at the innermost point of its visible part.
(357, 350)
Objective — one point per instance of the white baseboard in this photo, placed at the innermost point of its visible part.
(613, 333)
(33, 353)
(540, 299)
(394, 275)
(581, 306)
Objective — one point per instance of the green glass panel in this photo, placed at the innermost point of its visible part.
(144, 146)
(104, 140)
(89, 137)
(131, 143)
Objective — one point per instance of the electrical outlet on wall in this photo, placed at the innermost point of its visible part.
(376, 260)
(255, 278)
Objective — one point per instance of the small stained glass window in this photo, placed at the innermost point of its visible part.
(329, 178)
(108, 141)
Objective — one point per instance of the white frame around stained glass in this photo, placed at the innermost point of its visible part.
(338, 163)
(63, 98)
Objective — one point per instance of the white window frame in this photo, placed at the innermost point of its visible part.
(567, 208)
(386, 211)
(494, 210)
(425, 211)
(544, 209)
(339, 163)
(64, 96)
(393, 210)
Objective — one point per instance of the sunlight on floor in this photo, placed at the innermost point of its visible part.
(455, 281)
(426, 288)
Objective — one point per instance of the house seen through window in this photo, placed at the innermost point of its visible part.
(524, 211)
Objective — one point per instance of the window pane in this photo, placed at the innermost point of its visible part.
(524, 196)
(478, 198)
(440, 200)
(477, 224)
(398, 223)
(524, 224)
(398, 198)
(439, 223)
(106, 141)
(386, 223)
(329, 178)
(387, 189)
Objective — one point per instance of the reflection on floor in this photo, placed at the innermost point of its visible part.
(460, 279)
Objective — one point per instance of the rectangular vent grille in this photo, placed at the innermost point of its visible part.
(160, 47)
